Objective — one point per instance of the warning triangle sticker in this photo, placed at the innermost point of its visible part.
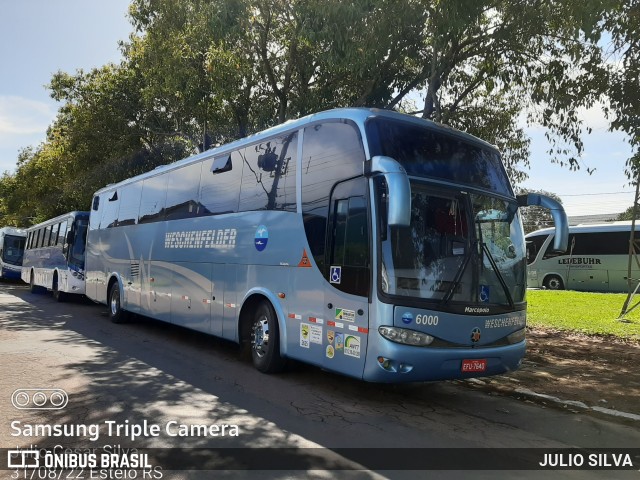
(304, 261)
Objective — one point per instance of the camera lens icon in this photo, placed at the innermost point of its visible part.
(39, 399)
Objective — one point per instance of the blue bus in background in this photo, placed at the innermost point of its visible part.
(12, 242)
(366, 242)
(54, 255)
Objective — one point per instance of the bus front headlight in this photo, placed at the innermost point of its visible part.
(516, 337)
(406, 336)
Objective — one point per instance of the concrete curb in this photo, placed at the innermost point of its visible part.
(576, 404)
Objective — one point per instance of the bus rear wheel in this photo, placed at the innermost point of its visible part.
(116, 313)
(265, 340)
(553, 282)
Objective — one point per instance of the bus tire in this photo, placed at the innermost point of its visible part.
(553, 282)
(33, 288)
(57, 294)
(116, 313)
(265, 340)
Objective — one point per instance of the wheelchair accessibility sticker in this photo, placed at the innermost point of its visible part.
(335, 274)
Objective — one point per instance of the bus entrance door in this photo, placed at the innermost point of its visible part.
(349, 276)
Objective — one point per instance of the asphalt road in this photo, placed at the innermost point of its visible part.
(146, 374)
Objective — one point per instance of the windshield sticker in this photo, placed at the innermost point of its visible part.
(304, 335)
(484, 293)
(339, 341)
(352, 346)
(223, 238)
(330, 351)
(335, 275)
(330, 336)
(261, 238)
(346, 315)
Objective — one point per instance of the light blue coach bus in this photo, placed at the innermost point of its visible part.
(12, 242)
(366, 242)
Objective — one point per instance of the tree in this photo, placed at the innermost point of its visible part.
(199, 72)
(628, 214)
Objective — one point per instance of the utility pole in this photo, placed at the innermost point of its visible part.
(634, 248)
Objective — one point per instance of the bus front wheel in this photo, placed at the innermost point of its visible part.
(116, 313)
(265, 340)
(33, 288)
(553, 282)
(57, 294)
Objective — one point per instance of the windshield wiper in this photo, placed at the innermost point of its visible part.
(458, 278)
(485, 249)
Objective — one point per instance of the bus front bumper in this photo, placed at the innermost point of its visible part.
(396, 363)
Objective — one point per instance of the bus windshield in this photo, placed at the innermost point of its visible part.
(13, 249)
(459, 247)
(424, 152)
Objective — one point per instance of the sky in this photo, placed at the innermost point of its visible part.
(40, 37)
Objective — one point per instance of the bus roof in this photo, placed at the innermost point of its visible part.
(18, 232)
(57, 219)
(621, 226)
(357, 115)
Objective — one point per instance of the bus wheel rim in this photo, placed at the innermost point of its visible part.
(260, 337)
(115, 302)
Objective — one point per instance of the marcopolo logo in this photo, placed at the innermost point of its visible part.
(407, 318)
(39, 399)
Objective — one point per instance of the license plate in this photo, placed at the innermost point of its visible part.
(474, 365)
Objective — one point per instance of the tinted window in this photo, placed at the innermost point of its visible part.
(425, 152)
(152, 203)
(597, 243)
(350, 239)
(534, 244)
(47, 236)
(269, 175)
(220, 186)
(332, 152)
(182, 192)
(111, 206)
(601, 243)
(129, 204)
(62, 235)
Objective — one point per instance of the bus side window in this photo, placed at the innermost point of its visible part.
(331, 152)
(129, 204)
(154, 192)
(110, 214)
(62, 234)
(269, 175)
(182, 192)
(220, 184)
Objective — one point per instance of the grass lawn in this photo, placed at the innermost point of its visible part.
(584, 312)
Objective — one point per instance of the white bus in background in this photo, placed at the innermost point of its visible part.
(54, 255)
(596, 260)
(12, 242)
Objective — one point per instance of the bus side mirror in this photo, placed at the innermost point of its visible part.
(561, 223)
(399, 213)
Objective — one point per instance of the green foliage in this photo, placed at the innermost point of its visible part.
(583, 312)
(628, 214)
